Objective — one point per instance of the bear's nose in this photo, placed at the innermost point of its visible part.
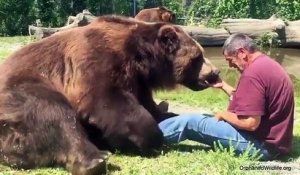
(216, 72)
(213, 76)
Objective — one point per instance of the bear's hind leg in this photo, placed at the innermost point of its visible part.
(39, 128)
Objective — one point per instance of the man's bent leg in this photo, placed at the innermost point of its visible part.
(206, 129)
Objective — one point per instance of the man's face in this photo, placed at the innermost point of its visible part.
(236, 60)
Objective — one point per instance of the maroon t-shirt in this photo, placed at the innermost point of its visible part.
(265, 90)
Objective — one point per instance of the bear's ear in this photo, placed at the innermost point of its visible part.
(173, 18)
(168, 39)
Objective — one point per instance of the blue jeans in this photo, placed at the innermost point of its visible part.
(206, 129)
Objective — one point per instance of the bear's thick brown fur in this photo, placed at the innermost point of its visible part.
(88, 87)
(158, 14)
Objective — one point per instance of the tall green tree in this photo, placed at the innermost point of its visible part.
(152, 3)
(15, 16)
(100, 7)
(122, 7)
(79, 5)
(45, 11)
(63, 9)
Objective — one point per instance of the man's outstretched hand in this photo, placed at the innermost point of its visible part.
(218, 84)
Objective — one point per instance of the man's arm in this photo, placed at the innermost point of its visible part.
(249, 123)
(227, 88)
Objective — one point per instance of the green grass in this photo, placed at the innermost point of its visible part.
(9, 44)
(181, 159)
(211, 99)
(188, 158)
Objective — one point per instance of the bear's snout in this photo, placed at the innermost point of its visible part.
(213, 77)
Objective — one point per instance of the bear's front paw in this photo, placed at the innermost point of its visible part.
(167, 115)
(97, 166)
(163, 106)
(93, 167)
(104, 154)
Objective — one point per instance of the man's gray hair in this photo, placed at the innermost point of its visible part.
(237, 41)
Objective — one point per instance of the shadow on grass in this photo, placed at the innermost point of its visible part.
(295, 154)
(144, 154)
(186, 148)
(113, 167)
(182, 147)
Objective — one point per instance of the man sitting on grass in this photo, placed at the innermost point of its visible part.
(261, 109)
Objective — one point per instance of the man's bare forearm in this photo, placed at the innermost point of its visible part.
(227, 88)
(244, 123)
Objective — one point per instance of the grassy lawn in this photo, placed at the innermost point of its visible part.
(188, 158)
(9, 44)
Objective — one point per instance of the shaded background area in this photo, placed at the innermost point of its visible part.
(16, 15)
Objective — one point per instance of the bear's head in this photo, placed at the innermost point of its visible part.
(172, 57)
(192, 69)
(166, 15)
(163, 54)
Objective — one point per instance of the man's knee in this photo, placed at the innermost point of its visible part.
(193, 118)
(190, 121)
(181, 122)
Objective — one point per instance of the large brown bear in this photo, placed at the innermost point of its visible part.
(92, 86)
(158, 14)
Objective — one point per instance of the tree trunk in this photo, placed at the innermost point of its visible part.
(43, 32)
(207, 36)
(80, 19)
(253, 27)
(290, 37)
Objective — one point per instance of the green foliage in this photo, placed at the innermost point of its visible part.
(120, 7)
(267, 40)
(288, 9)
(212, 12)
(251, 153)
(152, 3)
(175, 6)
(63, 9)
(15, 16)
(99, 7)
(54, 13)
(232, 9)
(44, 12)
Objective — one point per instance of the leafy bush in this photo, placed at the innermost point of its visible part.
(267, 40)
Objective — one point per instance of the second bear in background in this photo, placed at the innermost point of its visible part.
(158, 14)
